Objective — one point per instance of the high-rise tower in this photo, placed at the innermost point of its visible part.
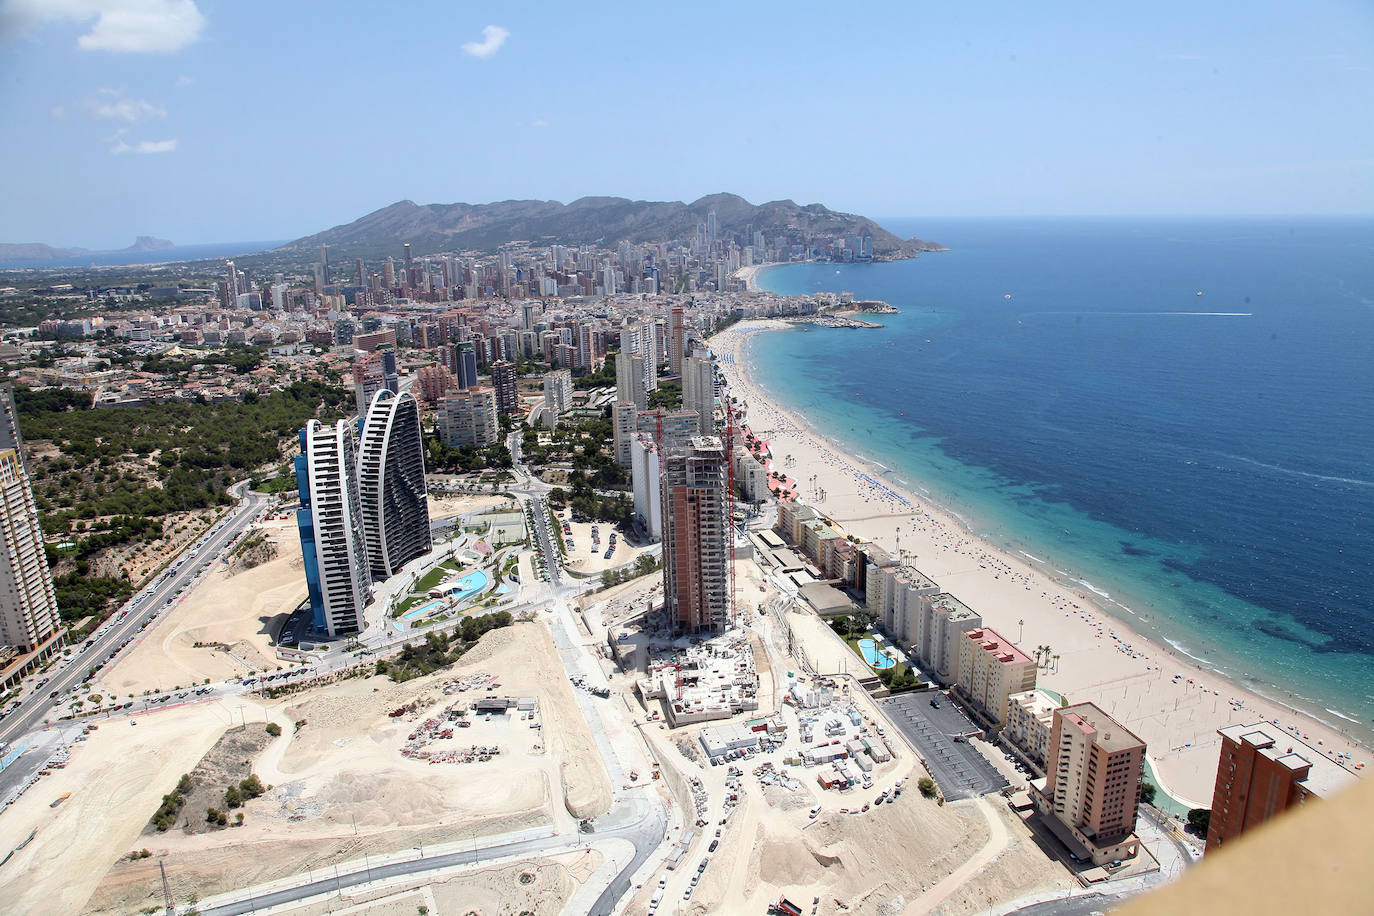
(696, 532)
(28, 604)
(1261, 773)
(330, 526)
(504, 381)
(374, 372)
(629, 380)
(465, 364)
(1092, 783)
(699, 391)
(391, 483)
(676, 344)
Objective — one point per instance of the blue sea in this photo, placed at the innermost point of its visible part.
(1177, 415)
(166, 256)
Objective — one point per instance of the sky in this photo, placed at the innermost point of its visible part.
(244, 120)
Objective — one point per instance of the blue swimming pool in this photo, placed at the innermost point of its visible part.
(469, 585)
(875, 658)
(421, 610)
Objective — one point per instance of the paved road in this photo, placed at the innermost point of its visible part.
(39, 705)
(644, 827)
(1166, 826)
(1084, 905)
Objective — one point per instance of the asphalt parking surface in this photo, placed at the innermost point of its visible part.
(957, 767)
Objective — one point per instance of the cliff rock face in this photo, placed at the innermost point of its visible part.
(603, 221)
(149, 243)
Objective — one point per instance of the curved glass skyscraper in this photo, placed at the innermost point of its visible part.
(336, 568)
(391, 483)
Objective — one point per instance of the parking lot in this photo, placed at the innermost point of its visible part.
(957, 767)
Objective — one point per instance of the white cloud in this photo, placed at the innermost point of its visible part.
(58, 112)
(110, 105)
(539, 123)
(144, 146)
(184, 80)
(493, 37)
(130, 26)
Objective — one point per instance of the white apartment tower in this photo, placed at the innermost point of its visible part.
(558, 389)
(331, 528)
(391, 483)
(629, 380)
(468, 418)
(638, 340)
(699, 391)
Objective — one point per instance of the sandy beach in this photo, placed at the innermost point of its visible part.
(750, 276)
(1173, 704)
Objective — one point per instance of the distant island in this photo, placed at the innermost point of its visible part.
(39, 251)
(600, 221)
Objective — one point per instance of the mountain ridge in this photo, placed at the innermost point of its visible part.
(601, 220)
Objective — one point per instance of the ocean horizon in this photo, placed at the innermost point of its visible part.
(1174, 415)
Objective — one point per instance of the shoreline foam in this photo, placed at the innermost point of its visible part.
(1106, 659)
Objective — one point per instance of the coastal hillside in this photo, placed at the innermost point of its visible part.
(602, 221)
(39, 251)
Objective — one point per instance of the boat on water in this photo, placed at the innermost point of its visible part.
(60, 799)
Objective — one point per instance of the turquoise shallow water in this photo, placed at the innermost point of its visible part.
(1201, 462)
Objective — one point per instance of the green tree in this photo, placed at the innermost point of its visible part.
(1147, 792)
(1200, 820)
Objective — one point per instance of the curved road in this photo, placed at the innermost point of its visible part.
(643, 831)
(38, 706)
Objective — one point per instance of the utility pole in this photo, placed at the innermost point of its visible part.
(166, 890)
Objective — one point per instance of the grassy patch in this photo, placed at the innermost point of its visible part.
(406, 605)
(282, 483)
(432, 578)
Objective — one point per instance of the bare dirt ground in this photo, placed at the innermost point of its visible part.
(449, 506)
(537, 887)
(228, 613)
(116, 778)
(340, 787)
(881, 862)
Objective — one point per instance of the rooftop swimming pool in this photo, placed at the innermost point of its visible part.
(874, 657)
